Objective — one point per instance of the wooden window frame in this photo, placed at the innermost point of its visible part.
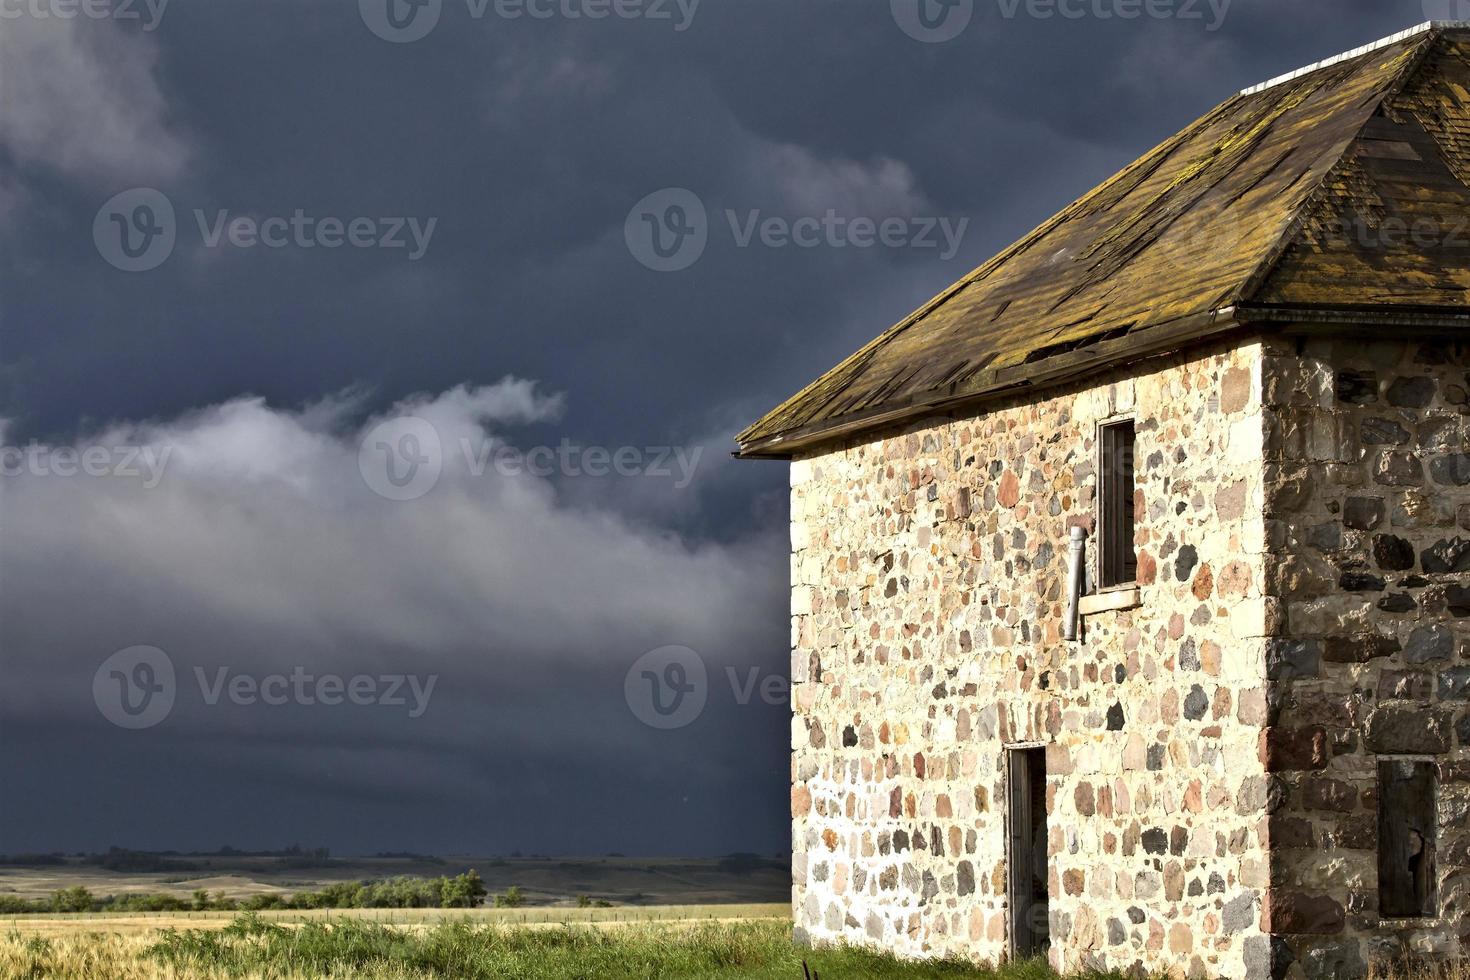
(1117, 555)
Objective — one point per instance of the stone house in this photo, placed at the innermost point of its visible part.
(1237, 742)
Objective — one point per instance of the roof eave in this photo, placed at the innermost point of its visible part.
(999, 383)
(1078, 364)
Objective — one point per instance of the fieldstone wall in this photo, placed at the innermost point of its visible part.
(1368, 507)
(928, 572)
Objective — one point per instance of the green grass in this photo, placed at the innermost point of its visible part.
(462, 951)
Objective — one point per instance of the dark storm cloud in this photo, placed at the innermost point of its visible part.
(527, 141)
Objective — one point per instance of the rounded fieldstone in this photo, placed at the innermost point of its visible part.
(1429, 643)
(1398, 469)
(1361, 582)
(1438, 432)
(1325, 537)
(1411, 392)
(1383, 432)
(1239, 913)
(1393, 553)
(1184, 564)
(1363, 513)
(1454, 684)
(1293, 659)
(1196, 703)
(1451, 470)
(1447, 555)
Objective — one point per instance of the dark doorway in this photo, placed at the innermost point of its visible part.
(1028, 864)
(1407, 825)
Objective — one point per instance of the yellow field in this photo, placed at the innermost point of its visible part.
(133, 923)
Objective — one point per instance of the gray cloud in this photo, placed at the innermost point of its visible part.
(81, 99)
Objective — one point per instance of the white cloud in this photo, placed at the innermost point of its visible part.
(81, 97)
(811, 184)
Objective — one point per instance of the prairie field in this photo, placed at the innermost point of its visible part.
(750, 942)
(719, 943)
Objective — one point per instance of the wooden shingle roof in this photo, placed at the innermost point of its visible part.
(1341, 190)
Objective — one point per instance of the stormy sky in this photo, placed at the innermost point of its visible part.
(368, 378)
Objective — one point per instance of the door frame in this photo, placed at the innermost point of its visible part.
(1015, 935)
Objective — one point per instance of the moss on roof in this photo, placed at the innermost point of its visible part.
(1305, 194)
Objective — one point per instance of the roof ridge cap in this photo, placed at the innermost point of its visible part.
(1431, 26)
(1263, 272)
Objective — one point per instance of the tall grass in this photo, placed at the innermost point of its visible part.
(249, 949)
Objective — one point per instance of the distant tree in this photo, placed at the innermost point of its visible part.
(464, 891)
(73, 899)
(510, 899)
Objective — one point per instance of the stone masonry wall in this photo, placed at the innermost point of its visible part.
(1369, 513)
(928, 573)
